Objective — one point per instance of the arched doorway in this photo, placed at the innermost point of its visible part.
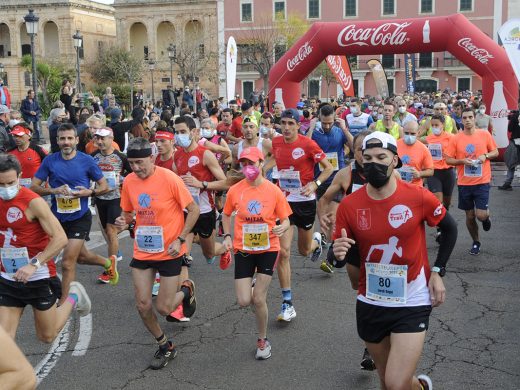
(426, 85)
(51, 40)
(139, 40)
(5, 41)
(25, 41)
(165, 38)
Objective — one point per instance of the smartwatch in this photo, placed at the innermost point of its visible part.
(204, 185)
(440, 270)
(318, 183)
(35, 262)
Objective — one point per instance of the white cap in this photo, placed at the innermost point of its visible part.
(386, 141)
(104, 132)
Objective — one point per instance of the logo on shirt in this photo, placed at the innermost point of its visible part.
(194, 160)
(14, 214)
(318, 156)
(387, 251)
(406, 159)
(254, 207)
(438, 210)
(144, 200)
(470, 148)
(297, 153)
(364, 219)
(399, 215)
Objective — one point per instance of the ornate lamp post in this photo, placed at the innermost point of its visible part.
(151, 66)
(78, 43)
(172, 54)
(31, 23)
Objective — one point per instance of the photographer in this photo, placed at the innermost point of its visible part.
(513, 132)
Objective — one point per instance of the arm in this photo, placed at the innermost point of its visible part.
(489, 155)
(101, 188)
(211, 162)
(312, 127)
(343, 126)
(226, 226)
(36, 186)
(15, 370)
(311, 186)
(191, 219)
(424, 127)
(214, 148)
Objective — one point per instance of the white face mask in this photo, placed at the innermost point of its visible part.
(13, 123)
(436, 130)
(8, 193)
(264, 130)
(354, 110)
(402, 110)
(206, 133)
(482, 111)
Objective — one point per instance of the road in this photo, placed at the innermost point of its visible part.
(472, 343)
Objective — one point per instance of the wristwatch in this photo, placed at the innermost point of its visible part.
(182, 240)
(35, 262)
(440, 270)
(486, 156)
(204, 185)
(317, 182)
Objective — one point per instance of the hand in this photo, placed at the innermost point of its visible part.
(327, 220)
(228, 243)
(33, 113)
(416, 174)
(62, 190)
(278, 230)
(341, 123)
(437, 289)
(482, 158)
(342, 245)
(467, 161)
(120, 221)
(174, 248)
(309, 189)
(312, 123)
(24, 273)
(80, 192)
(191, 181)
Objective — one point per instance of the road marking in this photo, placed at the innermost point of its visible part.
(57, 348)
(85, 334)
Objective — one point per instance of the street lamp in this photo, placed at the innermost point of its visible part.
(31, 23)
(172, 54)
(78, 42)
(151, 66)
(2, 71)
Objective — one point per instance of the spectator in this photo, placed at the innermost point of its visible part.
(4, 135)
(31, 112)
(5, 96)
(137, 129)
(187, 98)
(66, 99)
(57, 116)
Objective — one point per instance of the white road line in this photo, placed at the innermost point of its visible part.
(59, 346)
(85, 334)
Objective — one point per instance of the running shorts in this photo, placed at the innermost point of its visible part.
(108, 210)
(303, 214)
(205, 225)
(41, 294)
(79, 228)
(443, 180)
(475, 196)
(246, 264)
(171, 267)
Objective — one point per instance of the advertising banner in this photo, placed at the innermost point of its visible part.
(409, 70)
(340, 67)
(510, 36)
(378, 73)
(231, 68)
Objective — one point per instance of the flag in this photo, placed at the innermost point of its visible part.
(409, 70)
(339, 66)
(378, 73)
(510, 36)
(231, 68)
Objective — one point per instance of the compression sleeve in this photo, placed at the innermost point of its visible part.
(351, 258)
(448, 238)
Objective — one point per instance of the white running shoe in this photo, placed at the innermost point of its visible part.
(426, 382)
(83, 305)
(287, 313)
(263, 349)
(317, 252)
(155, 288)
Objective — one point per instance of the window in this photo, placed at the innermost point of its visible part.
(390, 83)
(145, 52)
(26, 49)
(350, 8)
(426, 6)
(279, 51)
(247, 88)
(425, 60)
(246, 12)
(388, 61)
(201, 51)
(388, 7)
(165, 80)
(27, 79)
(463, 84)
(313, 9)
(81, 52)
(356, 87)
(465, 5)
(279, 10)
(353, 62)
(314, 88)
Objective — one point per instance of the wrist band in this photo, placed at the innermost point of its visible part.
(227, 235)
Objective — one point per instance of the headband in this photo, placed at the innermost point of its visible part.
(163, 135)
(139, 153)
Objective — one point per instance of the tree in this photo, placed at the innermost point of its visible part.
(323, 71)
(116, 65)
(267, 41)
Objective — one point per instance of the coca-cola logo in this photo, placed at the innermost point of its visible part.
(303, 52)
(481, 55)
(335, 65)
(385, 34)
(502, 113)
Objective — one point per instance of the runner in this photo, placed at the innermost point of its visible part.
(251, 139)
(470, 151)
(387, 124)
(402, 117)
(258, 205)
(215, 143)
(69, 173)
(357, 120)
(417, 160)
(158, 198)
(439, 108)
(295, 156)
(15, 370)
(380, 229)
(28, 272)
(165, 145)
(115, 167)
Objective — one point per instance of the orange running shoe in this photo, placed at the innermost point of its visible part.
(177, 315)
(225, 260)
(112, 271)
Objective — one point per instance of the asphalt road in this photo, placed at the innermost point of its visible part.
(472, 343)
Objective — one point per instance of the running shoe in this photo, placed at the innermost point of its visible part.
(317, 252)
(189, 304)
(287, 313)
(161, 359)
(83, 305)
(156, 286)
(326, 267)
(225, 260)
(263, 349)
(486, 225)
(425, 382)
(323, 240)
(505, 187)
(475, 248)
(211, 260)
(367, 363)
(112, 271)
(177, 315)
(103, 278)
(119, 256)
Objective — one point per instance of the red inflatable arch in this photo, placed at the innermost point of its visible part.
(436, 34)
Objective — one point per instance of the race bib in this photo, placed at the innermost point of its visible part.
(386, 282)
(356, 187)
(473, 170)
(255, 237)
(290, 180)
(276, 173)
(67, 204)
(333, 159)
(13, 259)
(150, 239)
(195, 193)
(435, 151)
(406, 173)
(26, 182)
(112, 179)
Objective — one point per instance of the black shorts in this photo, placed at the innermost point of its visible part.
(108, 210)
(443, 180)
(246, 264)
(205, 225)
(374, 323)
(40, 294)
(474, 197)
(303, 214)
(79, 228)
(171, 267)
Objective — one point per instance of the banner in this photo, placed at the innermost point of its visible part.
(510, 36)
(339, 66)
(378, 73)
(231, 68)
(409, 70)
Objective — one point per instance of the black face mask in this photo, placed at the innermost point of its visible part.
(376, 174)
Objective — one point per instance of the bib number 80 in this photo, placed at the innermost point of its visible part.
(384, 282)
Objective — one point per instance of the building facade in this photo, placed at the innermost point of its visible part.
(434, 71)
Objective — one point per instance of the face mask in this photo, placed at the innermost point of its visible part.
(300, 112)
(264, 130)
(436, 130)
(354, 110)
(183, 140)
(347, 104)
(376, 174)
(8, 193)
(380, 117)
(409, 139)
(370, 107)
(402, 110)
(378, 102)
(13, 123)
(482, 111)
(206, 133)
(251, 172)
(449, 106)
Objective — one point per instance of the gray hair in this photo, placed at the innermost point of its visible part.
(55, 113)
(208, 121)
(138, 143)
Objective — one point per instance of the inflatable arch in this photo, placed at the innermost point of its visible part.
(453, 33)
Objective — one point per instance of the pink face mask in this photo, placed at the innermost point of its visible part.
(251, 172)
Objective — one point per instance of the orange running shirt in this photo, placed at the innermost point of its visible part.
(437, 145)
(416, 156)
(471, 146)
(91, 147)
(257, 210)
(158, 202)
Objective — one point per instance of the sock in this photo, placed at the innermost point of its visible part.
(73, 299)
(286, 295)
(162, 341)
(186, 291)
(108, 263)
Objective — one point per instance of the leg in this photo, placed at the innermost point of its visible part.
(379, 353)
(68, 266)
(90, 258)
(50, 322)
(112, 240)
(208, 245)
(143, 282)
(169, 295)
(260, 302)
(306, 244)
(243, 291)
(446, 201)
(471, 224)
(405, 352)
(482, 215)
(10, 319)
(15, 370)
(284, 256)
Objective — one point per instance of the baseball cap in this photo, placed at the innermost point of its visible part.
(115, 113)
(291, 113)
(386, 141)
(104, 132)
(252, 154)
(20, 130)
(4, 109)
(300, 105)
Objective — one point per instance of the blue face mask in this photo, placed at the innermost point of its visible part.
(183, 140)
(8, 193)
(409, 139)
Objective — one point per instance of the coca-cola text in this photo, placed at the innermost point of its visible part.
(503, 113)
(303, 52)
(385, 34)
(335, 66)
(481, 55)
